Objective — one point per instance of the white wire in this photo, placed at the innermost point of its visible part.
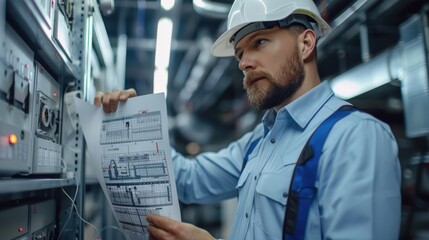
(77, 212)
(64, 167)
(83, 220)
(69, 85)
(98, 233)
(71, 208)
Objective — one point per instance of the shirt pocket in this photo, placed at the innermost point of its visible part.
(272, 192)
(242, 180)
(241, 193)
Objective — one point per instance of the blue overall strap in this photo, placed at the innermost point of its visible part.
(303, 189)
(249, 151)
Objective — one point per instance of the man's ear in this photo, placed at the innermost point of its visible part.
(308, 44)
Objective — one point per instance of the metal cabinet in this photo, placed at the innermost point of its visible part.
(45, 52)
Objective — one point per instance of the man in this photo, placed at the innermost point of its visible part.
(358, 180)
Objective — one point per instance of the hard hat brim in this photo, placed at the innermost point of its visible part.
(222, 47)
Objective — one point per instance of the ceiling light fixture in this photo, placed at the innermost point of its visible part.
(167, 5)
(162, 54)
(160, 81)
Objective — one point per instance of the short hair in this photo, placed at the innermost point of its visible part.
(296, 30)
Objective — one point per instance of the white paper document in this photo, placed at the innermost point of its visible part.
(130, 151)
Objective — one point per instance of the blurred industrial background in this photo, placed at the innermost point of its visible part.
(365, 44)
(377, 57)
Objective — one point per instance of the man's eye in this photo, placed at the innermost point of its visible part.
(260, 42)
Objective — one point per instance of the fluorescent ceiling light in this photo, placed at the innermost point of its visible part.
(160, 81)
(163, 43)
(167, 5)
(162, 55)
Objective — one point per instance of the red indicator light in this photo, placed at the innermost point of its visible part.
(20, 229)
(13, 139)
(55, 94)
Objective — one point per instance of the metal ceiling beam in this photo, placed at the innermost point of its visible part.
(155, 5)
(148, 44)
(343, 23)
(148, 5)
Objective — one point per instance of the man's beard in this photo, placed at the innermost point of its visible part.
(291, 76)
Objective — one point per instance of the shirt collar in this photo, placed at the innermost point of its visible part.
(303, 109)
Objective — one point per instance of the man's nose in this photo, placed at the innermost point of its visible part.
(246, 62)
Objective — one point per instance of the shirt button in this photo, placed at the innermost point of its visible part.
(256, 177)
(273, 140)
(285, 194)
(247, 215)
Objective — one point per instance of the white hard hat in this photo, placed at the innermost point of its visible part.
(244, 12)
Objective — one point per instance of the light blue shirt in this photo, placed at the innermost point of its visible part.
(358, 177)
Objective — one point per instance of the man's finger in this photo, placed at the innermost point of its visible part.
(129, 93)
(155, 220)
(106, 102)
(167, 224)
(157, 233)
(98, 98)
(114, 99)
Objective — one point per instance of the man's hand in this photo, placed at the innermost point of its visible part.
(110, 100)
(164, 228)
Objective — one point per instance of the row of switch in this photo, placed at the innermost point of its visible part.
(19, 67)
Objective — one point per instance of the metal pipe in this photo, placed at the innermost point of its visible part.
(364, 40)
(211, 9)
(381, 70)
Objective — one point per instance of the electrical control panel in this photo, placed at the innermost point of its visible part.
(36, 52)
(31, 100)
(14, 222)
(47, 123)
(42, 220)
(44, 54)
(46, 9)
(33, 221)
(16, 85)
(63, 25)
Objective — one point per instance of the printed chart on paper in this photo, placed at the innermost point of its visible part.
(135, 163)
